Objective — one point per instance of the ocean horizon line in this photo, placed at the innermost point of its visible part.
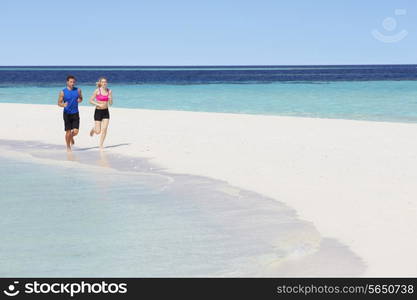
(203, 66)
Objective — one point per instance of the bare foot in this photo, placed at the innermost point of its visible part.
(70, 156)
(72, 141)
(69, 149)
(101, 147)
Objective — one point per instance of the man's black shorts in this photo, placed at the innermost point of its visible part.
(100, 114)
(71, 121)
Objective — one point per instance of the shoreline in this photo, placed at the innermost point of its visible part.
(235, 114)
(359, 175)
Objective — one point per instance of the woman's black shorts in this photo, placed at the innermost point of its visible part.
(71, 121)
(100, 114)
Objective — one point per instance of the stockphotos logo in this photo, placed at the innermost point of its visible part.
(12, 289)
(71, 289)
(390, 25)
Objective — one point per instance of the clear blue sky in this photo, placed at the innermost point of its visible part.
(215, 32)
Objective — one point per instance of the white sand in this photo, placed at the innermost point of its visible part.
(355, 180)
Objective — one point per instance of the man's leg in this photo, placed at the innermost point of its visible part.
(68, 138)
(75, 124)
(74, 132)
(67, 125)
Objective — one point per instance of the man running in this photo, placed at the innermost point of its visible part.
(69, 99)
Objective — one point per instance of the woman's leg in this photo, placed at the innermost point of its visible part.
(96, 129)
(104, 125)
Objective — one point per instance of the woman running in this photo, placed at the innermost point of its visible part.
(101, 98)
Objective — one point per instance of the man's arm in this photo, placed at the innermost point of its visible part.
(61, 99)
(80, 96)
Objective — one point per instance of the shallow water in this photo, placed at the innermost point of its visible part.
(106, 215)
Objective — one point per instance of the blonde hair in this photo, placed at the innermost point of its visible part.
(98, 84)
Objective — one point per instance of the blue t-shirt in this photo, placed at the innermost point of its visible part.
(71, 97)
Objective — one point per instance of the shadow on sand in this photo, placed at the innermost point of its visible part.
(96, 147)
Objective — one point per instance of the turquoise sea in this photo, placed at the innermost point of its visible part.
(384, 93)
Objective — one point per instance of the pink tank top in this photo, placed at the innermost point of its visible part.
(101, 97)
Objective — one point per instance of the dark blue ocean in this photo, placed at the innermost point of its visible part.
(54, 75)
